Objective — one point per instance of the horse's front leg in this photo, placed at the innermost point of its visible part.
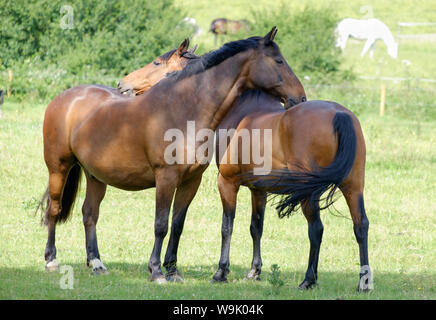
(367, 45)
(228, 192)
(166, 183)
(184, 195)
(95, 191)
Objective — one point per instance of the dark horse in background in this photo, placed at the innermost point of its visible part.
(225, 26)
(122, 142)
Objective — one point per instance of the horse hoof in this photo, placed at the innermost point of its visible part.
(160, 280)
(98, 267)
(365, 289)
(218, 280)
(306, 285)
(52, 266)
(253, 275)
(174, 278)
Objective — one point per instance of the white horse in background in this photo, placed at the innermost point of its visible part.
(369, 30)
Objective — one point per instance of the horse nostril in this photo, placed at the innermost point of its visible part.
(303, 99)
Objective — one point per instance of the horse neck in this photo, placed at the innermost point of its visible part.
(387, 37)
(250, 102)
(218, 87)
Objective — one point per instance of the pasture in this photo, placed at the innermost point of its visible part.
(400, 186)
(399, 193)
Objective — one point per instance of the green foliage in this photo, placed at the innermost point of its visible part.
(306, 38)
(107, 38)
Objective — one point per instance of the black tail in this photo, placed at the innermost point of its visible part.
(68, 196)
(298, 186)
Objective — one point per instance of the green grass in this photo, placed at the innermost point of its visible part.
(400, 185)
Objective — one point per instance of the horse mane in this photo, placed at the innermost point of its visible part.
(213, 58)
(167, 55)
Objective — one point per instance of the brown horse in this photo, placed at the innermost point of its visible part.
(315, 146)
(141, 80)
(122, 142)
(225, 26)
(88, 98)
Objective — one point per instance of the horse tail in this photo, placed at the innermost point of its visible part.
(68, 196)
(298, 186)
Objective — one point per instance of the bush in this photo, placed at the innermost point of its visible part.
(108, 38)
(306, 39)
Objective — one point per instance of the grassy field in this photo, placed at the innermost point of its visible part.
(400, 189)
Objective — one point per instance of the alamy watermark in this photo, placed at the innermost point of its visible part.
(67, 19)
(66, 282)
(197, 146)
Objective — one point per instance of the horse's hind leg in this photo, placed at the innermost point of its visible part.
(354, 198)
(228, 192)
(258, 202)
(56, 181)
(184, 195)
(315, 230)
(95, 191)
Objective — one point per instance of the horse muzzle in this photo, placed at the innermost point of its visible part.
(292, 101)
(125, 89)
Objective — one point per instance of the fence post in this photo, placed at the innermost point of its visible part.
(11, 75)
(382, 99)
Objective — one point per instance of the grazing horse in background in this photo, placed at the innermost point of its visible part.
(369, 30)
(123, 142)
(225, 26)
(316, 146)
(141, 80)
(88, 98)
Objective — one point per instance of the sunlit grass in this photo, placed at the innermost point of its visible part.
(400, 184)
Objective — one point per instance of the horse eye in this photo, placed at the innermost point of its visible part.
(279, 61)
(156, 63)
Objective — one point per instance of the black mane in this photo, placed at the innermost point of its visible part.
(213, 58)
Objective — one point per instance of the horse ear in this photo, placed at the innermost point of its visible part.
(270, 36)
(183, 47)
(192, 50)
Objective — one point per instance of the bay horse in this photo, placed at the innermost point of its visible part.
(316, 146)
(122, 142)
(88, 98)
(225, 26)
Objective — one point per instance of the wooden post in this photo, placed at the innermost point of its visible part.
(382, 99)
(11, 75)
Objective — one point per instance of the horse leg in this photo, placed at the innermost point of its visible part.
(166, 183)
(315, 228)
(184, 195)
(56, 182)
(356, 205)
(95, 191)
(367, 45)
(228, 192)
(371, 52)
(258, 202)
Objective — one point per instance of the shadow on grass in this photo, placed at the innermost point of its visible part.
(131, 281)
